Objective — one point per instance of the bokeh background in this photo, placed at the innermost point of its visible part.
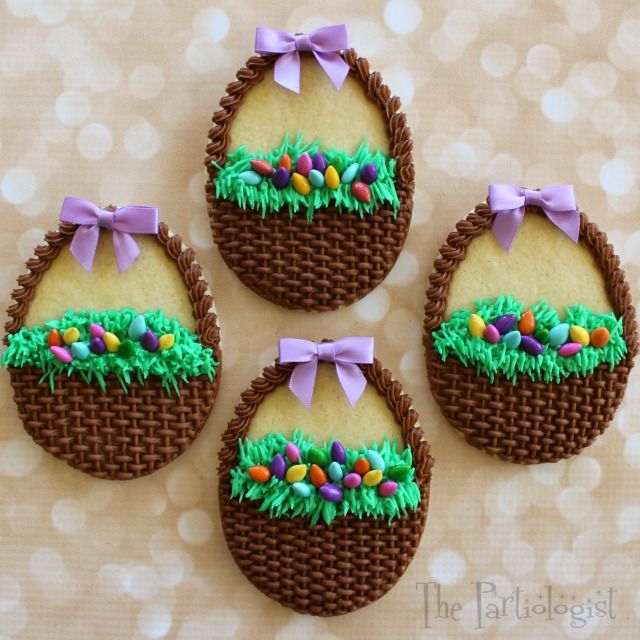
(111, 100)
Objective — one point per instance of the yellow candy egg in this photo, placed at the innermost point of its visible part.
(372, 478)
(579, 335)
(111, 342)
(166, 341)
(296, 473)
(331, 178)
(71, 335)
(301, 184)
(476, 325)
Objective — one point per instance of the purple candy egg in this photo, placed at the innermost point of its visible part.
(491, 334)
(330, 492)
(319, 162)
(149, 341)
(304, 164)
(569, 349)
(387, 489)
(292, 452)
(97, 346)
(352, 480)
(504, 324)
(338, 452)
(281, 178)
(278, 466)
(532, 346)
(369, 173)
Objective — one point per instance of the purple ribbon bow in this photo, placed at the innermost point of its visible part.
(508, 201)
(123, 222)
(324, 43)
(346, 353)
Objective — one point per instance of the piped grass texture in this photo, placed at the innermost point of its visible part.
(453, 338)
(277, 497)
(186, 359)
(266, 198)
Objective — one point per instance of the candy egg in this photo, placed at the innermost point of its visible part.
(569, 349)
(476, 325)
(281, 178)
(97, 346)
(361, 466)
(80, 351)
(375, 460)
(331, 178)
(166, 341)
(54, 339)
(331, 493)
(262, 167)
(504, 324)
(559, 334)
(296, 473)
(301, 184)
(512, 339)
(127, 349)
(399, 472)
(317, 476)
(71, 335)
(316, 178)
(541, 335)
(335, 471)
(352, 480)
(319, 162)
(259, 473)
(250, 177)
(372, 478)
(531, 346)
(292, 452)
(96, 330)
(527, 323)
(317, 456)
(387, 489)
(579, 335)
(149, 341)
(491, 334)
(111, 341)
(361, 191)
(137, 327)
(338, 452)
(600, 337)
(369, 173)
(278, 466)
(340, 163)
(350, 173)
(62, 354)
(304, 164)
(301, 489)
(285, 162)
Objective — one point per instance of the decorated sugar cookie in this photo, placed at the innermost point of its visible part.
(113, 345)
(311, 178)
(530, 332)
(324, 478)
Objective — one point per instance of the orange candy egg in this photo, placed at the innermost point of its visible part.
(600, 337)
(361, 466)
(285, 162)
(527, 323)
(259, 473)
(317, 476)
(54, 339)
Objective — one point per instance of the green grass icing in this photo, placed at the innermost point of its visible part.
(266, 198)
(186, 359)
(452, 338)
(277, 497)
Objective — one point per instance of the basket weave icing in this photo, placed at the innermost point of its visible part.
(116, 434)
(328, 262)
(324, 570)
(526, 422)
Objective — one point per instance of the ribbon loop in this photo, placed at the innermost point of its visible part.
(325, 43)
(508, 202)
(346, 353)
(122, 222)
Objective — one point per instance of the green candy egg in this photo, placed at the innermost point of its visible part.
(317, 456)
(127, 349)
(399, 472)
(541, 335)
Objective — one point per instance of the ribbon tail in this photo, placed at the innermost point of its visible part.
(506, 225)
(286, 71)
(303, 380)
(567, 221)
(334, 66)
(126, 250)
(84, 245)
(352, 380)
